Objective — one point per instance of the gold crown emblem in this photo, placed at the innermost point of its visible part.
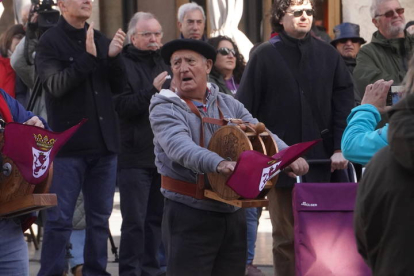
(43, 142)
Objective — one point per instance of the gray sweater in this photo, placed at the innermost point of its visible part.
(177, 137)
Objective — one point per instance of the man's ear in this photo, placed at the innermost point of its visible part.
(179, 25)
(61, 5)
(375, 22)
(209, 64)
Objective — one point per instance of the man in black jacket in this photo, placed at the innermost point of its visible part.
(80, 69)
(300, 88)
(138, 180)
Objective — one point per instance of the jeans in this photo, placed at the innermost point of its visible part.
(77, 240)
(252, 223)
(141, 208)
(95, 176)
(14, 255)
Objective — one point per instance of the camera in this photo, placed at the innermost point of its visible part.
(394, 95)
(47, 16)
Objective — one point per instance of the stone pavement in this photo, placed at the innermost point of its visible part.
(263, 257)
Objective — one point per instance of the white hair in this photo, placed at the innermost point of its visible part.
(374, 7)
(189, 7)
(134, 20)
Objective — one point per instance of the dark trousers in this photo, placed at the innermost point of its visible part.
(203, 243)
(141, 207)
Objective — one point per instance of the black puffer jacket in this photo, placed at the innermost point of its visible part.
(137, 149)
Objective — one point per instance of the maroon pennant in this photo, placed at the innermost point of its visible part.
(33, 149)
(254, 169)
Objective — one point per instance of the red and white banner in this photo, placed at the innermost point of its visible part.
(33, 149)
(254, 169)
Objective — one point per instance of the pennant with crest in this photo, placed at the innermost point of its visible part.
(254, 169)
(33, 149)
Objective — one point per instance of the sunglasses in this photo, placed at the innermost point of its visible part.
(345, 40)
(226, 51)
(298, 13)
(390, 13)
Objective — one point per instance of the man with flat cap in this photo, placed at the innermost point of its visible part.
(348, 42)
(201, 236)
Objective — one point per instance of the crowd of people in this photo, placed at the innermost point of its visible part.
(147, 105)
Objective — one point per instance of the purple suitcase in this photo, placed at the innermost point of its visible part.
(323, 230)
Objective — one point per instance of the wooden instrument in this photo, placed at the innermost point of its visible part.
(17, 196)
(229, 142)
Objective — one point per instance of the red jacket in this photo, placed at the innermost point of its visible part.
(7, 76)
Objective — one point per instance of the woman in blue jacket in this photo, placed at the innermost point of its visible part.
(361, 140)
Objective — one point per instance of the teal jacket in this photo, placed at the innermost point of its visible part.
(383, 59)
(360, 140)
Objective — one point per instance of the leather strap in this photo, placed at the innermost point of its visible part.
(183, 187)
(187, 188)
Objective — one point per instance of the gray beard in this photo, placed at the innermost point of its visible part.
(394, 31)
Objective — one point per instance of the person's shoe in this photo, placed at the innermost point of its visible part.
(252, 270)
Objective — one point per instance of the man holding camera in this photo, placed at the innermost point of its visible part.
(80, 70)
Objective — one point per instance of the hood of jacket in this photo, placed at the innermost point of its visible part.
(401, 132)
(400, 45)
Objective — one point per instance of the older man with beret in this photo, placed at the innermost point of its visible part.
(202, 236)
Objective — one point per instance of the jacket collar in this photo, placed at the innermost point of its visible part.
(378, 38)
(291, 41)
(349, 61)
(135, 54)
(203, 38)
(74, 32)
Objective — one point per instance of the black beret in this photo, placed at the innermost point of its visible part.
(198, 46)
(410, 23)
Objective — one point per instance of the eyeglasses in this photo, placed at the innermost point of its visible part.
(149, 34)
(226, 51)
(298, 13)
(390, 13)
(345, 40)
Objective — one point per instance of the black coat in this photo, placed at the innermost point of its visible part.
(137, 150)
(350, 64)
(79, 85)
(299, 89)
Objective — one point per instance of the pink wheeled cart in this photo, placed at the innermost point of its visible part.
(323, 230)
